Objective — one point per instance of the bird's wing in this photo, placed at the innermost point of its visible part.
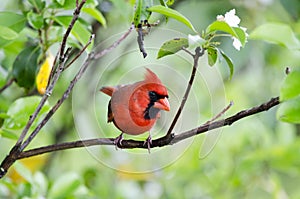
(110, 115)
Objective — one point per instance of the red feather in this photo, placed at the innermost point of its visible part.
(132, 109)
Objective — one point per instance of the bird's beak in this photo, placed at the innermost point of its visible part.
(162, 104)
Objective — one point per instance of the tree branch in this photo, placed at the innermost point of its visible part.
(160, 142)
(17, 149)
(70, 27)
(62, 61)
(198, 53)
(228, 121)
(80, 52)
(5, 86)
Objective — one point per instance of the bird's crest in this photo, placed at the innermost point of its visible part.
(150, 77)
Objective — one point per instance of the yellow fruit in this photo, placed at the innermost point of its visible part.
(42, 77)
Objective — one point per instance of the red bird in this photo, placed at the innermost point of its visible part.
(134, 108)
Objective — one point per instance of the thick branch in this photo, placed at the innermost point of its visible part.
(160, 142)
(228, 121)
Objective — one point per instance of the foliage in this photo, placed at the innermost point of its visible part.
(47, 22)
(256, 158)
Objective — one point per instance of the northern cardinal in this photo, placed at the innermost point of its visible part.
(134, 108)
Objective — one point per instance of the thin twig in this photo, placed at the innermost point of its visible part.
(18, 147)
(8, 83)
(140, 40)
(198, 53)
(49, 114)
(15, 151)
(187, 51)
(31, 120)
(62, 59)
(221, 113)
(48, 92)
(70, 27)
(160, 142)
(53, 68)
(99, 54)
(81, 51)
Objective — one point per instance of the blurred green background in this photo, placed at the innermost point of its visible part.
(257, 157)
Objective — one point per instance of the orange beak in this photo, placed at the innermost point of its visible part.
(162, 104)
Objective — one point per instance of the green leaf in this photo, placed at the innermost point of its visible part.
(4, 115)
(64, 186)
(71, 4)
(277, 33)
(11, 50)
(96, 14)
(221, 26)
(145, 12)
(141, 13)
(163, 3)
(61, 2)
(8, 134)
(173, 14)
(229, 63)
(13, 21)
(241, 35)
(25, 66)
(7, 33)
(170, 2)
(20, 111)
(289, 111)
(137, 13)
(35, 20)
(79, 30)
(172, 46)
(166, 3)
(38, 4)
(291, 86)
(212, 54)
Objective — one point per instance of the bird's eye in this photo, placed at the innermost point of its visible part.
(153, 96)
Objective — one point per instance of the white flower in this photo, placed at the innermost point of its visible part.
(236, 43)
(233, 21)
(195, 40)
(230, 18)
(220, 18)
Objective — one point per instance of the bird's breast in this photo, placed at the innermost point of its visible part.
(128, 105)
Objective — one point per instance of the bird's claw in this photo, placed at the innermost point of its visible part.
(118, 141)
(148, 143)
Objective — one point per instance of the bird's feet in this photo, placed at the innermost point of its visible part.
(148, 143)
(118, 141)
